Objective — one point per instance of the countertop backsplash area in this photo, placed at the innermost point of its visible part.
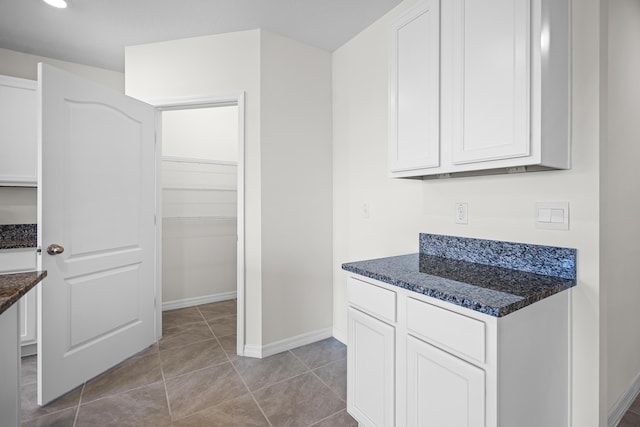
(488, 276)
(545, 260)
(16, 236)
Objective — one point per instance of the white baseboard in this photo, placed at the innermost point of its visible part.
(190, 302)
(340, 336)
(286, 344)
(623, 403)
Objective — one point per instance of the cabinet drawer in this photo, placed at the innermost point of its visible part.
(374, 299)
(447, 329)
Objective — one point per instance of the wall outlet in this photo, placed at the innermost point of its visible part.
(365, 210)
(462, 213)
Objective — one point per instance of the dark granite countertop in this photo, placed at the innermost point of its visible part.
(477, 285)
(14, 285)
(16, 236)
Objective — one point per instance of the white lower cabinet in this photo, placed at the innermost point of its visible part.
(371, 363)
(420, 362)
(14, 261)
(442, 390)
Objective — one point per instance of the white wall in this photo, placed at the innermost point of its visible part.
(287, 168)
(201, 133)
(206, 66)
(199, 234)
(296, 188)
(500, 207)
(18, 205)
(620, 200)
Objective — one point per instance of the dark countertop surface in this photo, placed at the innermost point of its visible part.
(491, 289)
(16, 236)
(14, 285)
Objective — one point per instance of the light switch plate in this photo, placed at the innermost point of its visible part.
(552, 215)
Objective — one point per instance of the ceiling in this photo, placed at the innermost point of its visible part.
(95, 32)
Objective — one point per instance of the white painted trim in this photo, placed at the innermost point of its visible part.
(29, 349)
(254, 351)
(199, 218)
(293, 342)
(199, 189)
(220, 100)
(340, 336)
(240, 226)
(190, 302)
(158, 223)
(617, 411)
(203, 161)
(192, 102)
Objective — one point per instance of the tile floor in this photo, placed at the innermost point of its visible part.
(632, 416)
(193, 377)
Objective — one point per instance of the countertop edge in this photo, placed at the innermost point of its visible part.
(463, 302)
(21, 289)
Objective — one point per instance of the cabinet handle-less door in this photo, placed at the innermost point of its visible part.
(370, 370)
(491, 80)
(414, 94)
(442, 390)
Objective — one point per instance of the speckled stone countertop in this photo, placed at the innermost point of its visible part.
(13, 286)
(15, 236)
(473, 273)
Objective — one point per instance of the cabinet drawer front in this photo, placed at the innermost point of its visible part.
(447, 329)
(374, 299)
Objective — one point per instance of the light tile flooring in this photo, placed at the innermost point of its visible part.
(193, 377)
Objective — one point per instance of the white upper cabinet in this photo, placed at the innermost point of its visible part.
(414, 116)
(18, 132)
(503, 85)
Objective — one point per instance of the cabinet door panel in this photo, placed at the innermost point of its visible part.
(370, 370)
(491, 80)
(442, 390)
(14, 261)
(414, 96)
(18, 132)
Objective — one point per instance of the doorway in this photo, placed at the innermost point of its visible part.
(201, 191)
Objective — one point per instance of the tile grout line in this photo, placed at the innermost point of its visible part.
(75, 418)
(300, 359)
(251, 394)
(164, 383)
(238, 373)
(327, 385)
(312, 371)
(326, 418)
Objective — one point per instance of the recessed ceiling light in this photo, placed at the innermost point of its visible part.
(61, 4)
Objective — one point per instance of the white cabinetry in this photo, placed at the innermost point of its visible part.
(414, 75)
(371, 363)
(18, 132)
(453, 366)
(502, 87)
(15, 261)
(442, 390)
(371, 354)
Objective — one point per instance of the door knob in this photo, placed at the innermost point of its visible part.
(54, 249)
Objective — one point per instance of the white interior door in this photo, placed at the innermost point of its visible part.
(96, 188)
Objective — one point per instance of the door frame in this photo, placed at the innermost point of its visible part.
(205, 101)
